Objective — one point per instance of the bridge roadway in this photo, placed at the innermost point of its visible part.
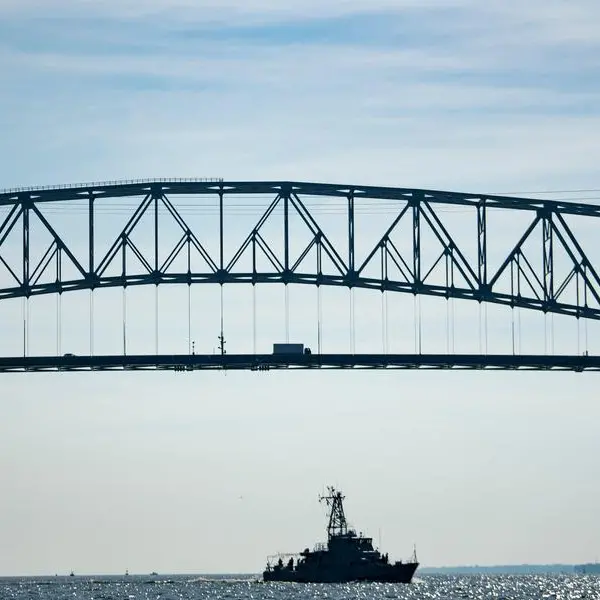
(265, 362)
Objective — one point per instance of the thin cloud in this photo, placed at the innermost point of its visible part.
(426, 83)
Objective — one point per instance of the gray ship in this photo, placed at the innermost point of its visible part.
(346, 556)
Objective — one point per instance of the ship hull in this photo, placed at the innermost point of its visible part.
(399, 573)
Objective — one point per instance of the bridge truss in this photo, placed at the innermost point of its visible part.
(542, 267)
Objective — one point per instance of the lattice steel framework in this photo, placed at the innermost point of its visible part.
(396, 270)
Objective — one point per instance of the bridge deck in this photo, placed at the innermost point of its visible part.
(265, 362)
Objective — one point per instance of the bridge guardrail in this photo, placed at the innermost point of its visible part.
(67, 186)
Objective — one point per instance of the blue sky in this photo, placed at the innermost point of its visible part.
(191, 79)
(462, 95)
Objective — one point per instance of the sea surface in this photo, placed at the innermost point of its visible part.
(192, 587)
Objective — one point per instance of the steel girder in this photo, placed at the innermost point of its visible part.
(266, 362)
(384, 267)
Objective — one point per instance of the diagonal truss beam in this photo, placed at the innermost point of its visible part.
(117, 245)
(318, 235)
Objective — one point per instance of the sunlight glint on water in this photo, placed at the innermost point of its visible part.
(190, 587)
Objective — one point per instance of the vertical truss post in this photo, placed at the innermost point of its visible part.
(221, 264)
(155, 197)
(577, 300)
(512, 281)
(91, 231)
(351, 232)
(254, 272)
(25, 202)
(58, 267)
(189, 257)
(482, 245)
(548, 257)
(286, 235)
(319, 258)
(124, 258)
(416, 206)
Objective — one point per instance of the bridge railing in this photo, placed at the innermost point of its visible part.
(90, 184)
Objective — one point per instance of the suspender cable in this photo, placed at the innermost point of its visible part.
(519, 339)
(156, 319)
(420, 324)
(92, 322)
(254, 319)
(27, 326)
(60, 323)
(287, 314)
(415, 322)
(352, 339)
(453, 322)
(512, 328)
(384, 340)
(480, 332)
(57, 319)
(387, 327)
(319, 319)
(221, 309)
(485, 315)
(447, 325)
(189, 318)
(124, 321)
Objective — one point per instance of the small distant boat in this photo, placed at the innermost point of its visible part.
(71, 574)
(126, 572)
(154, 573)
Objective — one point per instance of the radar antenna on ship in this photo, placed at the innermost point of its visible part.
(337, 519)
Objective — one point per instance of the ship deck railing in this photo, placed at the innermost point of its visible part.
(283, 556)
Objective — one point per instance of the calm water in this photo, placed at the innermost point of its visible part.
(177, 587)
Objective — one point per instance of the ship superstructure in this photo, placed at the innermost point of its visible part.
(345, 557)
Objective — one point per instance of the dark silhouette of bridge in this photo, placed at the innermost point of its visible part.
(545, 268)
(267, 362)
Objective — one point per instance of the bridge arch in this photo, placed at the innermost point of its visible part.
(525, 275)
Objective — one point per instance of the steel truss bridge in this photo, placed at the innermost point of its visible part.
(415, 253)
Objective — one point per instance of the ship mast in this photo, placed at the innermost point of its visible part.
(337, 520)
